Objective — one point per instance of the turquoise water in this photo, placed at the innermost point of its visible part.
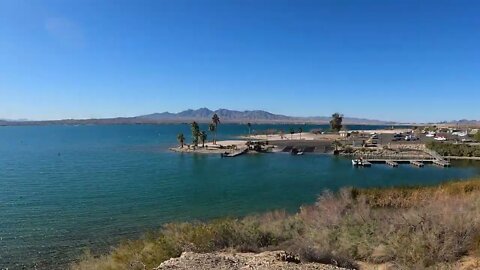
(67, 188)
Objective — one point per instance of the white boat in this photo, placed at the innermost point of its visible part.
(440, 138)
(356, 162)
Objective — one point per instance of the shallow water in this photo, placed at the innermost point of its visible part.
(67, 188)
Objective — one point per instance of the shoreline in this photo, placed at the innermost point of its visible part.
(348, 205)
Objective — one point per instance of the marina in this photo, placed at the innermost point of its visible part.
(395, 163)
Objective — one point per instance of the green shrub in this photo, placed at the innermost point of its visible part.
(450, 149)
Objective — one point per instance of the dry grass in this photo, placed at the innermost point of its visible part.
(409, 228)
(412, 196)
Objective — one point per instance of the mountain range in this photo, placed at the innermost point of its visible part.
(203, 115)
(254, 116)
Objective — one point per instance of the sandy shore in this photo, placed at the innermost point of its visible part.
(307, 136)
(210, 148)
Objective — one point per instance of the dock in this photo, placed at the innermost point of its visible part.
(234, 153)
(391, 163)
(417, 163)
(366, 163)
(441, 163)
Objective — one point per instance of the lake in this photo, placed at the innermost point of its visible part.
(67, 188)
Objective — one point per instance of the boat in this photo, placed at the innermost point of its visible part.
(440, 138)
(361, 163)
(296, 152)
(234, 154)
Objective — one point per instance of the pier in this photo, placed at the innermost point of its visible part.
(234, 153)
(441, 163)
(366, 163)
(391, 163)
(417, 163)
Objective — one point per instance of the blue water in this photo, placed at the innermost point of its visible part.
(67, 188)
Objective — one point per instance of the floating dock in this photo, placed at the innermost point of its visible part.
(235, 153)
(366, 163)
(420, 161)
(417, 163)
(441, 163)
(391, 163)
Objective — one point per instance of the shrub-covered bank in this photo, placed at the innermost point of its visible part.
(416, 227)
(459, 150)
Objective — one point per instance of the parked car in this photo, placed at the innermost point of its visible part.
(440, 138)
(411, 138)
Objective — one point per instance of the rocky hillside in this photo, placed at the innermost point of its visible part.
(257, 116)
(271, 260)
(205, 114)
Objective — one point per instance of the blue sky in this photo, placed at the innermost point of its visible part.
(392, 60)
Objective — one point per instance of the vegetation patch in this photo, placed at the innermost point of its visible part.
(412, 228)
(450, 149)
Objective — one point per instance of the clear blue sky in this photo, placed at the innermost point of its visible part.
(392, 60)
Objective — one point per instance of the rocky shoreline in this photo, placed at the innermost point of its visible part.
(269, 260)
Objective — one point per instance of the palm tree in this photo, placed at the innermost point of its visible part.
(215, 121)
(292, 131)
(212, 129)
(203, 137)
(249, 125)
(181, 139)
(300, 130)
(195, 133)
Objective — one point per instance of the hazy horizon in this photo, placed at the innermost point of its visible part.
(289, 115)
(403, 61)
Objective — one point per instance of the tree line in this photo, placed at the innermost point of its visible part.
(198, 135)
(201, 136)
